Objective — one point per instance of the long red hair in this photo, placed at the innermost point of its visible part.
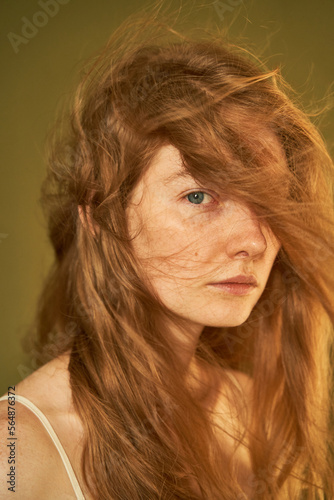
(146, 435)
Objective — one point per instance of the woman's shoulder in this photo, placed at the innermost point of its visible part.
(28, 459)
(49, 385)
(28, 455)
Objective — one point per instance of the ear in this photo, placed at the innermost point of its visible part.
(85, 217)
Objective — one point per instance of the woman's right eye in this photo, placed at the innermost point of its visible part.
(198, 197)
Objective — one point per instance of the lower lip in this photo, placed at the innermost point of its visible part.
(234, 288)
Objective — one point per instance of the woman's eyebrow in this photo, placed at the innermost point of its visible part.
(177, 175)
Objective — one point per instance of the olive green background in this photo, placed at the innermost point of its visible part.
(39, 74)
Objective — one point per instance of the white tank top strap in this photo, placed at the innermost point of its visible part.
(55, 439)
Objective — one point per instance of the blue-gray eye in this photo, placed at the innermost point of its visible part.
(196, 198)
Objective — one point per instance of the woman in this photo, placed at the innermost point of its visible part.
(187, 321)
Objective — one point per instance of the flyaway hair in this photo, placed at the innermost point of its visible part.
(147, 437)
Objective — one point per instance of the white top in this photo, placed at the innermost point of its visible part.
(26, 402)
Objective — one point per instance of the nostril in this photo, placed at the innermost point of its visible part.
(244, 254)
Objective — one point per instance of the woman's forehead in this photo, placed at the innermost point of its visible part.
(168, 165)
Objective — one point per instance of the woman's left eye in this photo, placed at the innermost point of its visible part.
(199, 197)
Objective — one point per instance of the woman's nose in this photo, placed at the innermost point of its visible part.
(245, 238)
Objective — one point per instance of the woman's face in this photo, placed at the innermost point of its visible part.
(189, 240)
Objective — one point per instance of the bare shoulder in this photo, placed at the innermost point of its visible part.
(29, 460)
(27, 456)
